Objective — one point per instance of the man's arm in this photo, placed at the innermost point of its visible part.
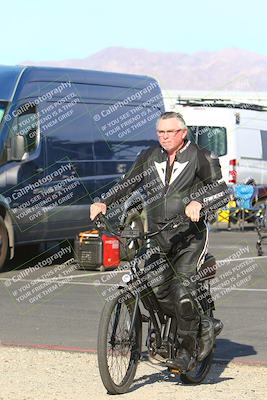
(213, 192)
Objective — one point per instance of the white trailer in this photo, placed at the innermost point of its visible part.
(236, 131)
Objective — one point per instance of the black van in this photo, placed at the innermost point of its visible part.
(66, 136)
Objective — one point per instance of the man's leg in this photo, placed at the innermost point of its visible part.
(177, 289)
(185, 258)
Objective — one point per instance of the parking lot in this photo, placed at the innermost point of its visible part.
(58, 306)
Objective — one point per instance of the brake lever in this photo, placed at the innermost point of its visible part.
(99, 225)
(177, 220)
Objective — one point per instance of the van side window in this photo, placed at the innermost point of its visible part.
(264, 144)
(27, 126)
(2, 111)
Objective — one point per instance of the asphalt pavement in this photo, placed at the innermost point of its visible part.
(48, 302)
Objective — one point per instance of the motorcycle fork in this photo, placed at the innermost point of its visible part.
(135, 312)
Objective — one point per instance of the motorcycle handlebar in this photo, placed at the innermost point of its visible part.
(102, 222)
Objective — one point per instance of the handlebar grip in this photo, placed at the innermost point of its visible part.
(100, 221)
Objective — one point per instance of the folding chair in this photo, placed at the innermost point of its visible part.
(245, 210)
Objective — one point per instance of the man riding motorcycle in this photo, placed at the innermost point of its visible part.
(188, 179)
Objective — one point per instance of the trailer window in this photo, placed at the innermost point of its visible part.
(211, 138)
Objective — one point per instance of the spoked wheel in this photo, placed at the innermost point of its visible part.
(200, 371)
(117, 352)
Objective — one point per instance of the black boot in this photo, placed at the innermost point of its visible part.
(218, 326)
(186, 356)
(207, 337)
(181, 362)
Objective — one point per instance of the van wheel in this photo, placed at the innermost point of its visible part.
(134, 221)
(4, 246)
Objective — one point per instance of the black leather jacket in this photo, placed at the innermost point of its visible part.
(195, 175)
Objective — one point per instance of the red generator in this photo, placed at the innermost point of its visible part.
(95, 249)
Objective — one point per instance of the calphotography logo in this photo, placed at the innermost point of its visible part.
(37, 282)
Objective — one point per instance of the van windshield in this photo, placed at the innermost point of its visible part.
(2, 111)
(212, 138)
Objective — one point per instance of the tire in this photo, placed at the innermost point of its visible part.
(4, 244)
(105, 348)
(133, 220)
(200, 371)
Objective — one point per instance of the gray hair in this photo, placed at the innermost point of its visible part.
(172, 114)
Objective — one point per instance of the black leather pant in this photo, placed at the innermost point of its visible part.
(175, 284)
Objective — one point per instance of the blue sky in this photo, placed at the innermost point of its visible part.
(60, 29)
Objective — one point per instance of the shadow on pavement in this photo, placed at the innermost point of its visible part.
(226, 351)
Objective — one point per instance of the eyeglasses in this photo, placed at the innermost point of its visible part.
(170, 133)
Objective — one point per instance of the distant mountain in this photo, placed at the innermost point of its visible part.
(228, 69)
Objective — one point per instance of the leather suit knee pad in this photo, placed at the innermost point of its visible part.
(186, 308)
(187, 317)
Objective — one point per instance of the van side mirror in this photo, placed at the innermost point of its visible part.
(17, 147)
